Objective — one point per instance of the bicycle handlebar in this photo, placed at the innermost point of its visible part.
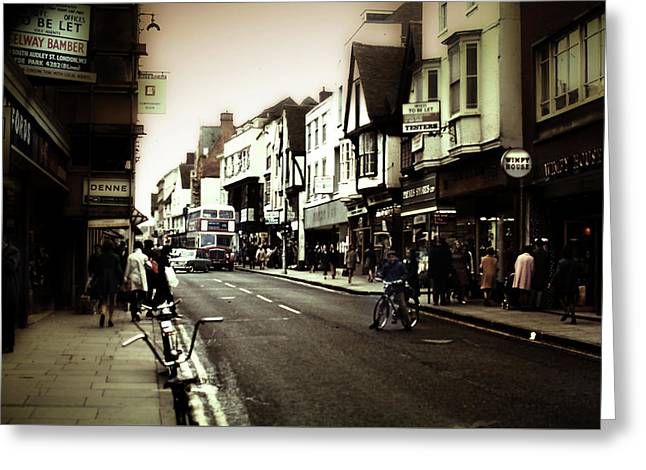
(162, 361)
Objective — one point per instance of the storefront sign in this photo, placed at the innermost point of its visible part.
(419, 195)
(32, 142)
(517, 163)
(419, 220)
(151, 97)
(106, 192)
(52, 41)
(324, 185)
(331, 213)
(421, 117)
(419, 191)
(574, 163)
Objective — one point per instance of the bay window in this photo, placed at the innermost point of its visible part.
(570, 67)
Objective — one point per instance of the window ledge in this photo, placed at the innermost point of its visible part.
(471, 10)
(462, 114)
(443, 32)
(569, 108)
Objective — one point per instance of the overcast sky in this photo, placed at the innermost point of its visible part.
(235, 57)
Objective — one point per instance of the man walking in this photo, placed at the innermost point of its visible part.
(135, 279)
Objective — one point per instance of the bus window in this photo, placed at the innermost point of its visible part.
(210, 214)
(226, 214)
(224, 240)
(207, 239)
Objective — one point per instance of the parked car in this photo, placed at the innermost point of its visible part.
(191, 261)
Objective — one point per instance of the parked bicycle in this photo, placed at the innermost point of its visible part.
(166, 315)
(179, 384)
(387, 307)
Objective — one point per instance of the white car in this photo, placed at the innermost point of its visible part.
(191, 261)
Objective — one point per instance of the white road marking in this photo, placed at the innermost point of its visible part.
(264, 298)
(227, 298)
(230, 285)
(245, 290)
(216, 280)
(210, 391)
(289, 309)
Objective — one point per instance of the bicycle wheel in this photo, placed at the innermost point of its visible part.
(382, 312)
(180, 402)
(413, 312)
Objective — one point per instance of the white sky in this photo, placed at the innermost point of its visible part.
(235, 57)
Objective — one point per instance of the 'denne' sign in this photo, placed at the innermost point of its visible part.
(517, 163)
(104, 191)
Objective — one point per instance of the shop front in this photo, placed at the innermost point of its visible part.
(327, 224)
(35, 155)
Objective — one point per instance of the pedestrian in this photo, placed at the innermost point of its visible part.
(90, 286)
(261, 257)
(109, 275)
(243, 254)
(489, 269)
(460, 272)
(10, 292)
(163, 292)
(369, 263)
(351, 260)
(151, 280)
(439, 265)
(136, 280)
(311, 258)
(333, 259)
(325, 260)
(252, 252)
(411, 262)
(565, 283)
(523, 273)
(541, 272)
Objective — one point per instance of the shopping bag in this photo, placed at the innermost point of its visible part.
(171, 277)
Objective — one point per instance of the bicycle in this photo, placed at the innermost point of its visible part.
(387, 308)
(180, 386)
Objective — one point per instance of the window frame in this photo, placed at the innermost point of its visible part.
(368, 165)
(546, 68)
(442, 17)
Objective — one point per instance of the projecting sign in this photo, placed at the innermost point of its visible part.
(106, 192)
(51, 41)
(421, 117)
(272, 217)
(324, 185)
(517, 163)
(151, 95)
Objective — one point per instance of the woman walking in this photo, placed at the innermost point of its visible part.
(460, 272)
(566, 284)
(351, 260)
(333, 259)
(109, 275)
(369, 263)
(489, 269)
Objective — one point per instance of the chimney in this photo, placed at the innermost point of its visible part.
(324, 94)
(226, 117)
(190, 158)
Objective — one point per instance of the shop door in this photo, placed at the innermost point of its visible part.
(584, 237)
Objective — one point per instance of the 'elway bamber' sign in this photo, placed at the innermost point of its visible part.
(104, 191)
(52, 41)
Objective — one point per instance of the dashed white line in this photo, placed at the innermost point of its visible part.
(264, 298)
(217, 280)
(289, 309)
(227, 298)
(245, 290)
(230, 285)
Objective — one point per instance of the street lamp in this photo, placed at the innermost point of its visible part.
(152, 24)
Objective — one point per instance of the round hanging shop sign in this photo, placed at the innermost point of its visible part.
(517, 163)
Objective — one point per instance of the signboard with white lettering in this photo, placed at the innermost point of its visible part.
(272, 217)
(151, 98)
(421, 117)
(52, 41)
(106, 192)
(517, 163)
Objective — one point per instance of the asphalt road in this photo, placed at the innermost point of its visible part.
(289, 354)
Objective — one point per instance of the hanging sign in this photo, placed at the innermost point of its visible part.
(421, 117)
(517, 163)
(151, 96)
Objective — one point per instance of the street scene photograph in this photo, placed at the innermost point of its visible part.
(305, 214)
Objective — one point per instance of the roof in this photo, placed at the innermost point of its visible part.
(309, 101)
(409, 11)
(380, 69)
(276, 110)
(185, 175)
(295, 116)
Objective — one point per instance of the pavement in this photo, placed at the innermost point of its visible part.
(540, 326)
(65, 370)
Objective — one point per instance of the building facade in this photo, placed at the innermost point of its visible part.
(563, 70)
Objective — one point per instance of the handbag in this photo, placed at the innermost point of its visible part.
(171, 277)
(581, 296)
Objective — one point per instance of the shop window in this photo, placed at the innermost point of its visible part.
(570, 68)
